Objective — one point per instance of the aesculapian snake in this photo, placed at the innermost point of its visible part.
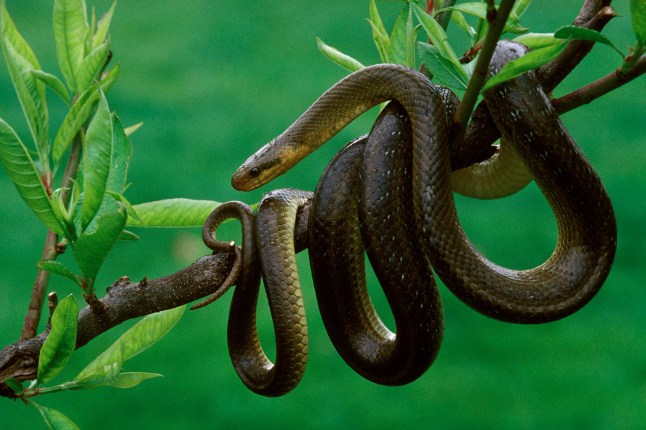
(523, 113)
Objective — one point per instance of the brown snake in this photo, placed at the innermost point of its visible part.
(587, 231)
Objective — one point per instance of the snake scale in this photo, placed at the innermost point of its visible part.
(391, 193)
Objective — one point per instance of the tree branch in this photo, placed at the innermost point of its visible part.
(124, 300)
(599, 87)
(481, 133)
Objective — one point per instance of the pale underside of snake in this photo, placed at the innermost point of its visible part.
(553, 290)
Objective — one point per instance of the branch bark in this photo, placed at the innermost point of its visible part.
(124, 300)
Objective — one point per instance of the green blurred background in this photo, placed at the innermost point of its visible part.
(212, 81)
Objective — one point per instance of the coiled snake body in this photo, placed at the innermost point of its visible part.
(556, 288)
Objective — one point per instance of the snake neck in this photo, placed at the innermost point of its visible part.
(335, 109)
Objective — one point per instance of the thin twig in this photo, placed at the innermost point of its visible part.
(32, 319)
(497, 19)
(50, 251)
(599, 87)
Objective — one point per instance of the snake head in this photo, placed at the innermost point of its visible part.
(259, 169)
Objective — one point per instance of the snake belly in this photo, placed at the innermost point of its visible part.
(348, 212)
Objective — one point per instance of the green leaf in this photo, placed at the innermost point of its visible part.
(93, 245)
(121, 156)
(25, 176)
(147, 332)
(338, 57)
(537, 40)
(638, 16)
(106, 367)
(132, 129)
(520, 7)
(457, 18)
(102, 370)
(21, 61)
(60, 342)
(70, 32)
(573, 32)
(443, 71)
(54, 419)
(438, 38)
(529, 61)
(480, 10)
(173, 213)
(128, 235)
(379, 33)
(61, 213)
(103, 27)
(80, 113)
(402, 44)
(92, 65)
(73, 121)
(14, 384)
(132, 379)
(97, 157)
(58, 268)
(54, 83)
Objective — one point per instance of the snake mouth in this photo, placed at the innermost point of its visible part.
(255, 173)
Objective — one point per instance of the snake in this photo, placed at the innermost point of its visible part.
(586, 244)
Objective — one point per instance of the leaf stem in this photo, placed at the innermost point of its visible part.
(496, 18)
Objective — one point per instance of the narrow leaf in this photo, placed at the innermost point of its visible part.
(54, 83)
(107, 366)
(54, 419)
(132, 379)
(401, 39)
(121, 156)
(147, 332)
(480, 10)
(58, 268)
(70, 33)
(73, 121)
(14, 384)
(94, 244)
(128, 235)
(132, 129)
(60, 211)
(638, 16)
(457, 18)
(60, 342)
(338, 57)
(520, 7)
(97, 156)
(21, 61)
(443, 71)
(529, 61)
(379, 33)
(103, 27)
(537, 40)
(172, 213)
(92, 65)
(438, 38)
(80, 113)
(102, 370)
(25, 176)
(573, 32)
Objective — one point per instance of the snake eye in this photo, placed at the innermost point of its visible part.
(254, 172)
